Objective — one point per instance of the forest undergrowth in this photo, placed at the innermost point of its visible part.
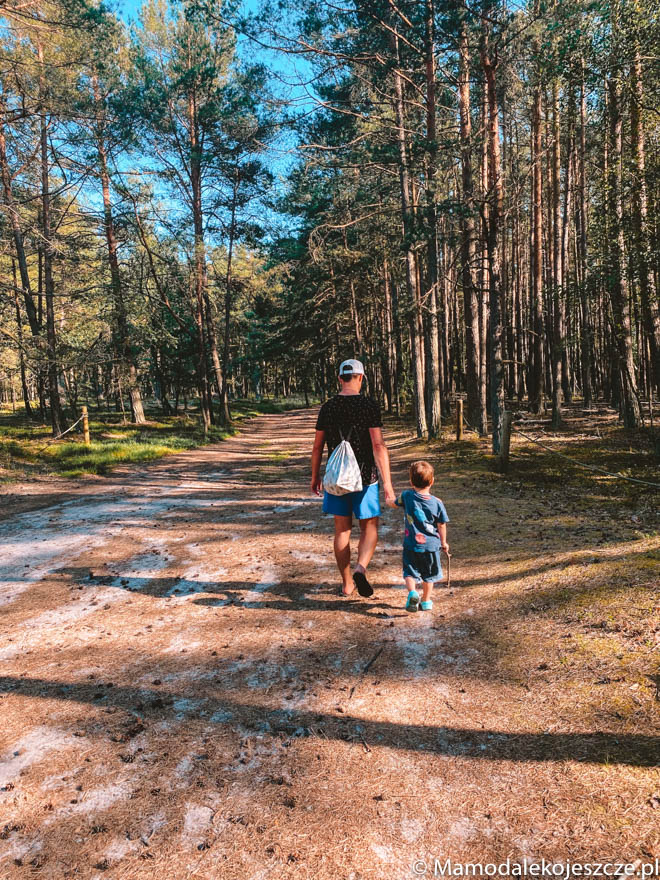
(26, 450)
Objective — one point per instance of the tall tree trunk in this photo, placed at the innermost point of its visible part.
(618, 285)
(586, 337)
(123, 342)
(447, 372)
(411, 262)
(433, 407)
(34, 315)
(470, 302)
(56, 415)
(357, 330)
(557, 280)
(17, 233)
(509, 293)
(355, 313)
(536, 347)
(484, 276)
(566, 378)
(398, 346)
(390, 357)
(643, 255)
(224, 396)
(200, 266)
(519, 307)
(495, 187)
(212, 338)
(19, 336)
(163, 386)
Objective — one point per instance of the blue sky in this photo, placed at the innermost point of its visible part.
(127, 9)
(288, 69)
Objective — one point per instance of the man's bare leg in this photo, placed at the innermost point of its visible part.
(366, 547)
(342, 547)
(368, 541)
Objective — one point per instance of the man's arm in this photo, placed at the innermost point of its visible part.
(317, 455)
(382, 459)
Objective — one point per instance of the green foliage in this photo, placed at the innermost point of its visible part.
(112, 443)
(25, 448)
(187, 113)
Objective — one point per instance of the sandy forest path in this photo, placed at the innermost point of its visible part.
(184, 694)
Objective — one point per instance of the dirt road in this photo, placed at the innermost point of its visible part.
(184, 694)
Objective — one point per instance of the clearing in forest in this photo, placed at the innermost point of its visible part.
(184, 693)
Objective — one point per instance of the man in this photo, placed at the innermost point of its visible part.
(350, 416)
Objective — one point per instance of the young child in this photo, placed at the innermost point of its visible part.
(425, 521)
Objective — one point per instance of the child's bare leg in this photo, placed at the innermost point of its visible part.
(411, 583)
(427, 590)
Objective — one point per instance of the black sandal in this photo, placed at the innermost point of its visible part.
(364, 588)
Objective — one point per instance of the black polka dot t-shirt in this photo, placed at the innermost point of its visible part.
(349, 416)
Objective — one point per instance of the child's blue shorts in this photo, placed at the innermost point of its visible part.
(363, 505)
(423, 566)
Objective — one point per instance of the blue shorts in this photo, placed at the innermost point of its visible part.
(423, 566)
(363, 505)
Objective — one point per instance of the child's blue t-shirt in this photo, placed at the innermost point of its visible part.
(422, 515)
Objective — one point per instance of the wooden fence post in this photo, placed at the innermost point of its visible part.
(459, 419)
(507, 418)
(85, 422)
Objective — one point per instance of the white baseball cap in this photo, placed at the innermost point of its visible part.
(350, 368)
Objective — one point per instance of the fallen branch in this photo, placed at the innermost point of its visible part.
(366, 669)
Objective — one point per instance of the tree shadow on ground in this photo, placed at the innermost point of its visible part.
(469, 743)
(581, 556)
(291, 596)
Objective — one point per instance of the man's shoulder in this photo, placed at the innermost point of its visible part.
(325, 415)
(370, 409)
(347, 402)
(327, 404)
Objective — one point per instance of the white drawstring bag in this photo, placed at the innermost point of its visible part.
(342, 472)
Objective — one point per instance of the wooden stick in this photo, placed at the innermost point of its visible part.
(365, 670)
(507, 418)
(372, 661)
(85, 421)
(459, 419)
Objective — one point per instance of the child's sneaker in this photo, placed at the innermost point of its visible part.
(427, 605)
(412, 603)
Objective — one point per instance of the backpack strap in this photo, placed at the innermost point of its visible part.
(350, 431)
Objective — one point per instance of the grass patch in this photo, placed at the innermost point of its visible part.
(25, 450)
(111, 445)
(74, 459)
(595, 439)
(280, 456)
(246, 409)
